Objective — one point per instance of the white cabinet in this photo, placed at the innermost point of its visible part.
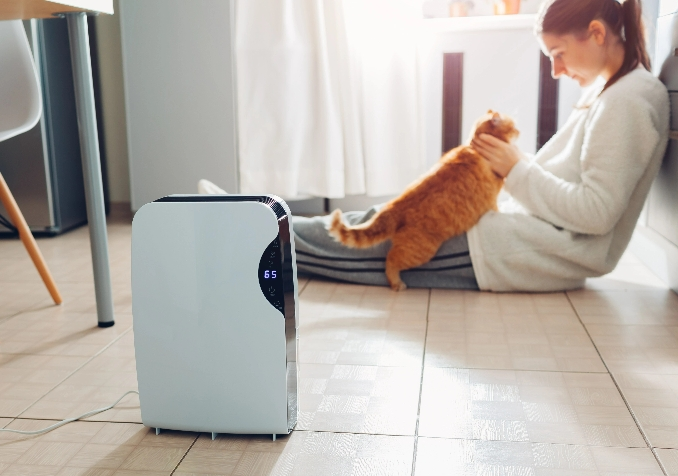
(178, 95)
(501, 71)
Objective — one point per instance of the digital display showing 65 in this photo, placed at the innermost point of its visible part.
(271, 276)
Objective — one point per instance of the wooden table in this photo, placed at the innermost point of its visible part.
(76, 12)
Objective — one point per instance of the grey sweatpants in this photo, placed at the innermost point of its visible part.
(319, 254)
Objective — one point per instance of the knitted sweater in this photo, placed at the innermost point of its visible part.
(580, 197)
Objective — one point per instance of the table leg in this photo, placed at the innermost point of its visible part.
(91, 164)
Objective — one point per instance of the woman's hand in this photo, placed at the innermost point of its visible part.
(501, 155)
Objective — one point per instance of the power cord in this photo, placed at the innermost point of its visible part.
(8, 224)
(68, 420)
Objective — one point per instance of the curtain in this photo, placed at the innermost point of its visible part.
(328, 97)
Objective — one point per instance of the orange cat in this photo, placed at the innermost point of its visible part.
(445, 202)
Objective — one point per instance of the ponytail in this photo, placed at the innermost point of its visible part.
(633, 37)
(623, 19)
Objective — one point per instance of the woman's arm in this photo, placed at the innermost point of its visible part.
(618, 144)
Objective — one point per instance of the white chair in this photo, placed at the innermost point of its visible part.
(20, 110)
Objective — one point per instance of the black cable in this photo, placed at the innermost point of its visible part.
(8, 224)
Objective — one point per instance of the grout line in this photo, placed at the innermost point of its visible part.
(515, 370)
(308, 281)
(185, 454)
(576, 445)
(421, 386)
(72, 373)
(616, 384)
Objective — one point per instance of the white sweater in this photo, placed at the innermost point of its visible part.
(581, 195)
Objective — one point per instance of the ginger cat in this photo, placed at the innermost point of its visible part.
(445, 202)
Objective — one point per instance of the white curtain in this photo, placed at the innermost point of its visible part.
(328, 97)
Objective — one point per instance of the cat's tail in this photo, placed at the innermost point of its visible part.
(367, 234)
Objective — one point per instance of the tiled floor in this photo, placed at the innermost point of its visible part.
(419, 382)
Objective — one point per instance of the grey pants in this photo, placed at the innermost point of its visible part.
(319, 254)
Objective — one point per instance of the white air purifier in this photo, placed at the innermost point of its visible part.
(214, 299)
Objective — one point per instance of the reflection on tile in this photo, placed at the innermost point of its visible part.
(345, 454)
(437, 456)
(521, 332)
(359, 399)
(361, 325)
(233, 454)
(548, 407)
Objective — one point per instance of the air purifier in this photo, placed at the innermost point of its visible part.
(214, 299)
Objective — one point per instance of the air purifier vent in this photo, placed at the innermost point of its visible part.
(271, 202)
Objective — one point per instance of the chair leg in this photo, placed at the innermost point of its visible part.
(26, 236)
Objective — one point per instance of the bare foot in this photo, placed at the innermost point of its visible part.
(205, 187)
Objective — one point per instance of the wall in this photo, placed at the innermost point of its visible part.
(113, 110)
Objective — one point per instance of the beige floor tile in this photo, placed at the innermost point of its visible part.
(647, 307)
(205, 461)
(97, 384)
(122, 434)
(69, 471)
(654, 400)
(669, 458)
(12, 450)
(26, 378)
(539, 407)
(358, 399)
(100, 456)
(75, 432)
(517, 332)
(437, 456)
(49, 453)
(361, 325)
(50, 332)
(30, 470)
(151, 458)
(242, 455)
(141, 473)
(344, 454)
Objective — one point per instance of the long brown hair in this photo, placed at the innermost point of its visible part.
(561, 17)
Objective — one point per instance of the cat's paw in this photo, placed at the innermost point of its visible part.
(399, 286)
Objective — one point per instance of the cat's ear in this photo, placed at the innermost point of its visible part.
(490, 111)
(496, 118)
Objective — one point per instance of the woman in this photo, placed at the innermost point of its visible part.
(576, 203)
